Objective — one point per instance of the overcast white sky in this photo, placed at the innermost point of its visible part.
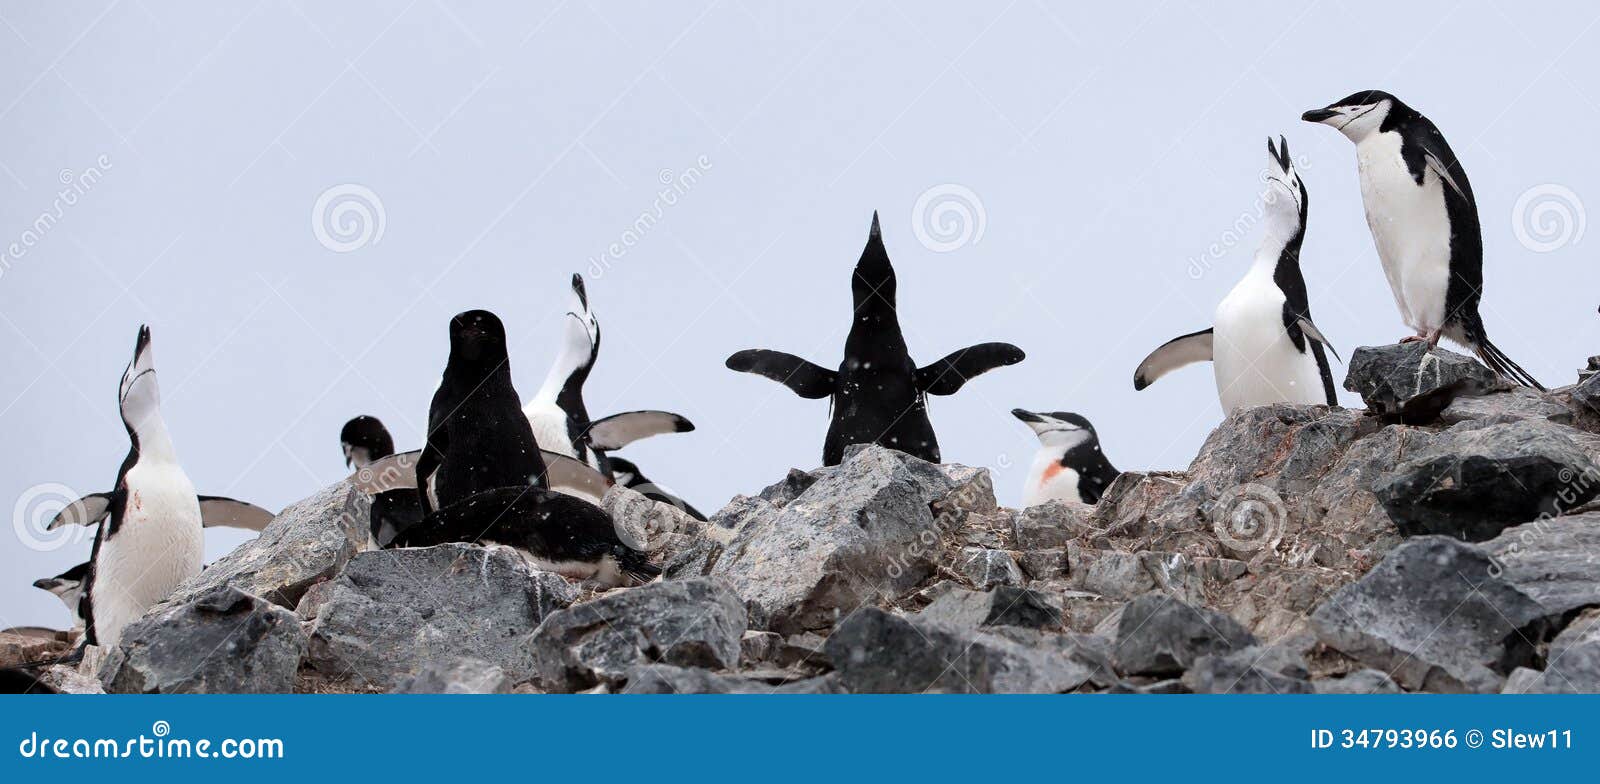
(1109, 145)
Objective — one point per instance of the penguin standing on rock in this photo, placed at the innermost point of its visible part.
(478, 438)
(1262, 344)
(1069, 465)
(1424, 220)
(878, 394)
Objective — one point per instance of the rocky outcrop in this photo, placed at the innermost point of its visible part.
(223, 640)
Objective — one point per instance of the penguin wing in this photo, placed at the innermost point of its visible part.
(1173, 354)
(566, 475)
(803, 378)
(1442, 172)
(1312, 332)
(619, 430)
(217, 511)
(395, 472)
(88, 510)
(948, 375)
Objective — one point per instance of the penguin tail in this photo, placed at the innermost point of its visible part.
(1502, 364)
(636, 565)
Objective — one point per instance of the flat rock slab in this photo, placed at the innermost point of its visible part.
(1413, 382)
(1003, 606)
(695, 623)
(222, 641)
(1437, 615)
(393, 613)
(1158, 635)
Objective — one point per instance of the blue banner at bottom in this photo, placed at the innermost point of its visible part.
(795, 738)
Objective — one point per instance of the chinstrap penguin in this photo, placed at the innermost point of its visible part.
(365, 441)
(878, 394)
(1069, 464)
(1263, 345)
(478, 438)
(68, 587)
(1424, 221)
(628, 475)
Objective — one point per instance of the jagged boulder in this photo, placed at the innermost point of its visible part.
(1003, 606)
(1158, 635)
(222, 641)
(393, 613)
(1251, 670)
(460, 676)
(1473, 481)
(1574, 662)
(1412, 382)
(694, 623)
(1556, 561)
(863, 532)
(305, 544)
(1438, 614)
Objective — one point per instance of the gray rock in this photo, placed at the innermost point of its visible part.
(688, 623)
(1043, 564)
(1050, 525)
(1252, 670)
(1412, 382)
(305, 544)
(392, 613)
(1524, 680)
(462, 676)
(1435, 615)
(875, 652)
(986, 568)
(1159, 635)
(1003, 606)
(1573, 666)
(1515, 404)
(667, 679)
(862, 533)
(1359, 682)
(1587, 395)
(1475, 482)
(1556, 561)
(222, 641)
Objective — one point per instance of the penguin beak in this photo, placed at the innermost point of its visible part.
(1319, 115)
(1026, 416)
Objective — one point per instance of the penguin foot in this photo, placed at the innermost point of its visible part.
(1411, 339)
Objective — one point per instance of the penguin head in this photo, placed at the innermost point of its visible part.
(365, 439)
(874, 276)
(624, 472)
(1285, 198)
(1358, 115)
(1058, 429)
(139, 396)
(582, 336)
(477, 338)
(67, 586)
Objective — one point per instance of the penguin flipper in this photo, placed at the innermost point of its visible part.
(948, 375)
(572, 477)
(395, 472)
(217, 511)
(1173, 354)
(801, 377)
(619, 430)
(88, 510)
(1316, 334)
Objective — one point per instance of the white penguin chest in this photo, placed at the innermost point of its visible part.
(1253, 358)
(549, 425)
(1410, 228)
(1049, 480)
(159, 542)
